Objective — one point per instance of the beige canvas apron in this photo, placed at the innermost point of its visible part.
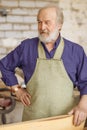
(50, 87)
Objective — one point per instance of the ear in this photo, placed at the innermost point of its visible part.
(59, 26)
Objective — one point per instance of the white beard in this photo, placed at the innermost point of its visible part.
(52, 36)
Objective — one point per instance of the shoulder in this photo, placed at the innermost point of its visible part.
(73, 51)
(73, 47)
(26, 46)
(71, 44)
(30, 42)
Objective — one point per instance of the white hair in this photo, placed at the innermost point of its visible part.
(59, 13)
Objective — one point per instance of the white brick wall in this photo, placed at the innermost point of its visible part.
(24, 11)
(30, 34)
(41, 3)
(21, 22)
(29, 19)
(2, 34)
(6, 26)
(27, 3)
(14, 19)
(9, 3)
(33, 27)
(19, 11)
(2, 19)
(20, 27)
(16, 34)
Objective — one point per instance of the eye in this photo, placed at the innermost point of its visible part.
(39, 22)
(48, 22)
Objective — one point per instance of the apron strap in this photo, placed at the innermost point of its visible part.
(58, 52)
(41, 52)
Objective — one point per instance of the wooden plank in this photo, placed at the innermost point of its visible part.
(53, 123)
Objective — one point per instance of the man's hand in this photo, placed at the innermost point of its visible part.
(22, 95)
(80, 111)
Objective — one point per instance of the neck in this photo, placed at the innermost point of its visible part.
(50, 46)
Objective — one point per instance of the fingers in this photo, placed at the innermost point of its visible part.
(25, 100)
(79, 117)
(23, 96)
(71, 112)
(76, 120)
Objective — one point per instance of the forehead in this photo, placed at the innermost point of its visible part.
(47, 14)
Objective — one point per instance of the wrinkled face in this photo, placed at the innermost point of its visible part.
(47, 25)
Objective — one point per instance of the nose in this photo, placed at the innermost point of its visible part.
(43, 26)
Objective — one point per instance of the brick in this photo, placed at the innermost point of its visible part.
(33, 27)
(2, 34)
(6, 26)
(25, 11)
(82, 32)
(65, 5)
(68, 25)
(67, 14)
(33, 12)
(15, 19)
(30, 19)
(30, 34)
(9, 3)
(14, 34)
(49, 0)
(2, 50)
(25, 3)
(19, 11)
(20, 27)
(79, 5)
(2, 19)
(9, 43)
(41, 3)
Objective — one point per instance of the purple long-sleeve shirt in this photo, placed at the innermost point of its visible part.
(25, 57)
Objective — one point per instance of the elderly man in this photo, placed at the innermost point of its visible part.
(52, 67)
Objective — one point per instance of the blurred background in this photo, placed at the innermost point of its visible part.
(18, 21)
